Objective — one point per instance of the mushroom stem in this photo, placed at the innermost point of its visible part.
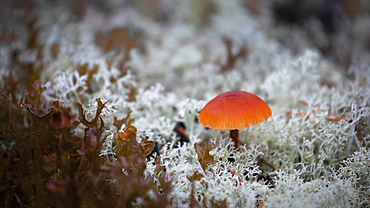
(234, 134)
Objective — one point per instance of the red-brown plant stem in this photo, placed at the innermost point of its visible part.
(266, 163)
(40, 123)
(261, 204)
(233, 174)
(234, 134)
(262, 160)
(336, 118)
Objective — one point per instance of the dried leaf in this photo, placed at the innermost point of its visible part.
(203, 153)
(126, 120)
(14, 110)
(218, 204)
(43, 118)
(55, 49)
(34, 97)
(132, 179)
(49, 159)
(11, 84)
(126, 144)
(351, 8)
(120, 41)
(83, 70)
(9, 37)
(128, 134)
(94, 121)
(231, 60)
(193, 201)
(147, 145)
(254, 6)
(62, 119)
(37, 137)
(158, 167)
(90, 141)
(195, 177)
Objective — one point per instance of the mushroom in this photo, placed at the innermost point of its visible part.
(234, 110)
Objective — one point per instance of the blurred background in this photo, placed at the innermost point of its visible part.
(338, 29)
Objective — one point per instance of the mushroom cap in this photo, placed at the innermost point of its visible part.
(234, 110)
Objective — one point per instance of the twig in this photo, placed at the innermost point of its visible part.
(266, 163)
(166, 176)
(336, 118)
(261, 159)
(231, 59)
(302, 114)
(18, 200)
(233, 174)
(261, 204)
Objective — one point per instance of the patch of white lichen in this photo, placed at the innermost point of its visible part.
(177, 70)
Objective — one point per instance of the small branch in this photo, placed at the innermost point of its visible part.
(233, 174)
(336, 118)
(261, 159)
(234, 134)
(166, 176)
(18, 200)
(266, 163)
(261, 204)
(231, 58)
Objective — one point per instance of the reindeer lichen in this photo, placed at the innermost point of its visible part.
(99, 104)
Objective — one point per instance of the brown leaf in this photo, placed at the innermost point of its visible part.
(254, 6)
(43, 118)
(126, 120)
(14, 110)
(218, 204)
(94, 121)
(195, 177)
(147, 145)
(132, 183)
(128, 134)
(9, 37)
(11, 84)
(34, 97)
(203, 154)
(126, 144)
(62, 119)
(231, 58)
(49, 160)
(55, 49)
(83, 70)
(38, 136)
(120, 41)
(158, 167)
(193, 201)
(90, 141)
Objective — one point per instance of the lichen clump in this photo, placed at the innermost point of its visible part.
(99, 105)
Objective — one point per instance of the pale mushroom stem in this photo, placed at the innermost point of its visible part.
(234, 134)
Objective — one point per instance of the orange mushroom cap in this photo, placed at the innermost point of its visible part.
(234, 110)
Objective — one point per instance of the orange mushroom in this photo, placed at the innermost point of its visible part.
(234, 110)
